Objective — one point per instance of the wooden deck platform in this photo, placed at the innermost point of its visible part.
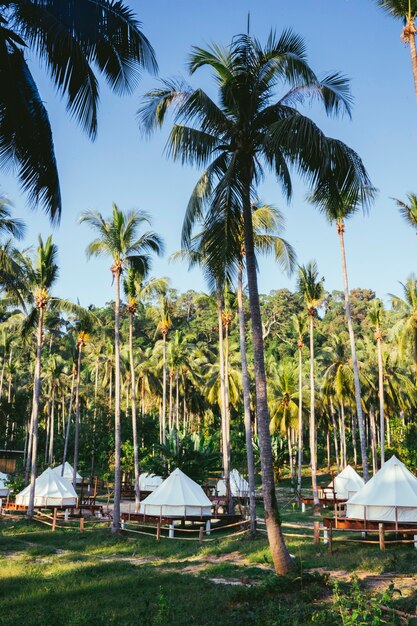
(346, 523)
(152, 519)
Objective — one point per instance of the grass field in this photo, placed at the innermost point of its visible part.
(70, 579)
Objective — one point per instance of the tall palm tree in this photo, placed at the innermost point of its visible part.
(82, 340)
(134, 288)
(74, 41)
(118, 238)
(337, 206)
(253, 127)
(164, 325)
(406, 327)
(312, 290)
(406, 11)
(40, 277)
(408, 210)
(299, 323)
(376, 315)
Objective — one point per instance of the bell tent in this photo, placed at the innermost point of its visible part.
(346, 484)
(238, 485)
(390, 495)
(4, 490)
(178, 496)
(149, 482)
(68, 472)
(50, 490)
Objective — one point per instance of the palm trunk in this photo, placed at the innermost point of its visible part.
(67, 434)
(29, 447)
(171, 380)
(35, 413)
(134, 421)
(164, 387)
(336, 446)
(343, 431)
(227, 406)
(381, 397)
(413, 53)
(225, 457)
(361, 425)
(246, 402)
(52, 428)
(93, 442)
(2, 375)
(355, 454)
(373, 439)
(77, 418)
(279, 552)
(117, 425)
(313, 459)
(177, 402)
(300, 419)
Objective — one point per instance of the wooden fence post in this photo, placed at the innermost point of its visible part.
(81, 524)
(316, 526)
(201, 534)
(381, 537)
(330, 538)
(54, 520)
(158, 531)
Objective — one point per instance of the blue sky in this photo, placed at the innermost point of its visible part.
(350, 36)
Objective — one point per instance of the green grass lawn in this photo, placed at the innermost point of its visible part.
(68, 578)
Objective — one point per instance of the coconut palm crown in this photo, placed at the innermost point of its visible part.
(74, 41)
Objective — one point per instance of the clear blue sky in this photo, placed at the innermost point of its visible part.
(351, 36)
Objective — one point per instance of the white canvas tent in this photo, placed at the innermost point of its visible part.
(345, 484)
(50, 490)
(178, 496)
(68, 472)
(149, 482)
(238, 485)
(390, 495)
(4, 491)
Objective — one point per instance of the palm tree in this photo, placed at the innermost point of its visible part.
(249, 129)
(408, 210)
(338, 384)
(406, 11)
(300, 327)
(134, 288)
(337, 206)
(40, 279)
(406, 327)
(164, 325)
(74, 44)
(284, 403)
(118, 238)
(82, 340)
(375, 315)
(311, 287)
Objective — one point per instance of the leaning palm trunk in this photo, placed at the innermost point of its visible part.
(225, 456)
(67, 434)
(372, 426)
(77, 419)
(300, 418)
(246, 403)
(381, 393)
(279, 552)
(117, 426)
(361, 425)
(313, 460)
(35, 412)
(134, 419)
